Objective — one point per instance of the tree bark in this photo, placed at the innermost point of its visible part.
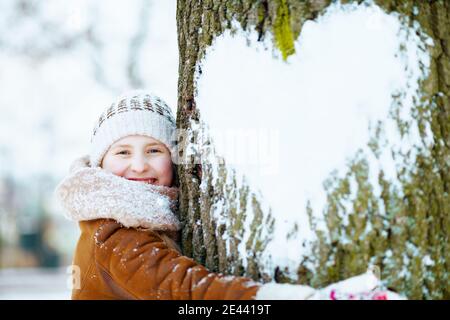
(418, 224)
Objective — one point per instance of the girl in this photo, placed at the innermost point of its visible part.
(123, 196)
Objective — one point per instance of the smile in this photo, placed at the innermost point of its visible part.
(145, 180)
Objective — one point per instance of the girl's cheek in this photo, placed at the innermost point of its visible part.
(120, 170)
(117, 167)
(166, 171)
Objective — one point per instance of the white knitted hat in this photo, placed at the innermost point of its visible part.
(136, 112)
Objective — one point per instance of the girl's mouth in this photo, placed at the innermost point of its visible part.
(145, 180)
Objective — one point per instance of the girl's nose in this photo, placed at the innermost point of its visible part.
(139, 165)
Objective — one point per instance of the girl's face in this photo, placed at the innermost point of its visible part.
(140, 158)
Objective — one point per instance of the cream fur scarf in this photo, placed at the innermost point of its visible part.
(92, 193)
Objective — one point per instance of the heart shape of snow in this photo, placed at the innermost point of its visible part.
(308, 116)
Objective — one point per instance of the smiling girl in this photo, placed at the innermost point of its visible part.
(123, 196)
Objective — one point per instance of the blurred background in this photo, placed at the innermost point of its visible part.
(61, 65)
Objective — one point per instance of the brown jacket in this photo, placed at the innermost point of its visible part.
(116, 262)
(124, 250)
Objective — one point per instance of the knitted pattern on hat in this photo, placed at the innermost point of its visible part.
(135, 113)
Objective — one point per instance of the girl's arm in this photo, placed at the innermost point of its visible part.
(141, 265)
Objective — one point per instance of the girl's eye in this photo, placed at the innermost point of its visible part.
(153, 150)
(123, 152)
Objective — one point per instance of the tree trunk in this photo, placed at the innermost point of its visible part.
(418, 224)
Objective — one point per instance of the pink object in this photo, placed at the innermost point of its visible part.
(379, 296)
(333, 295)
